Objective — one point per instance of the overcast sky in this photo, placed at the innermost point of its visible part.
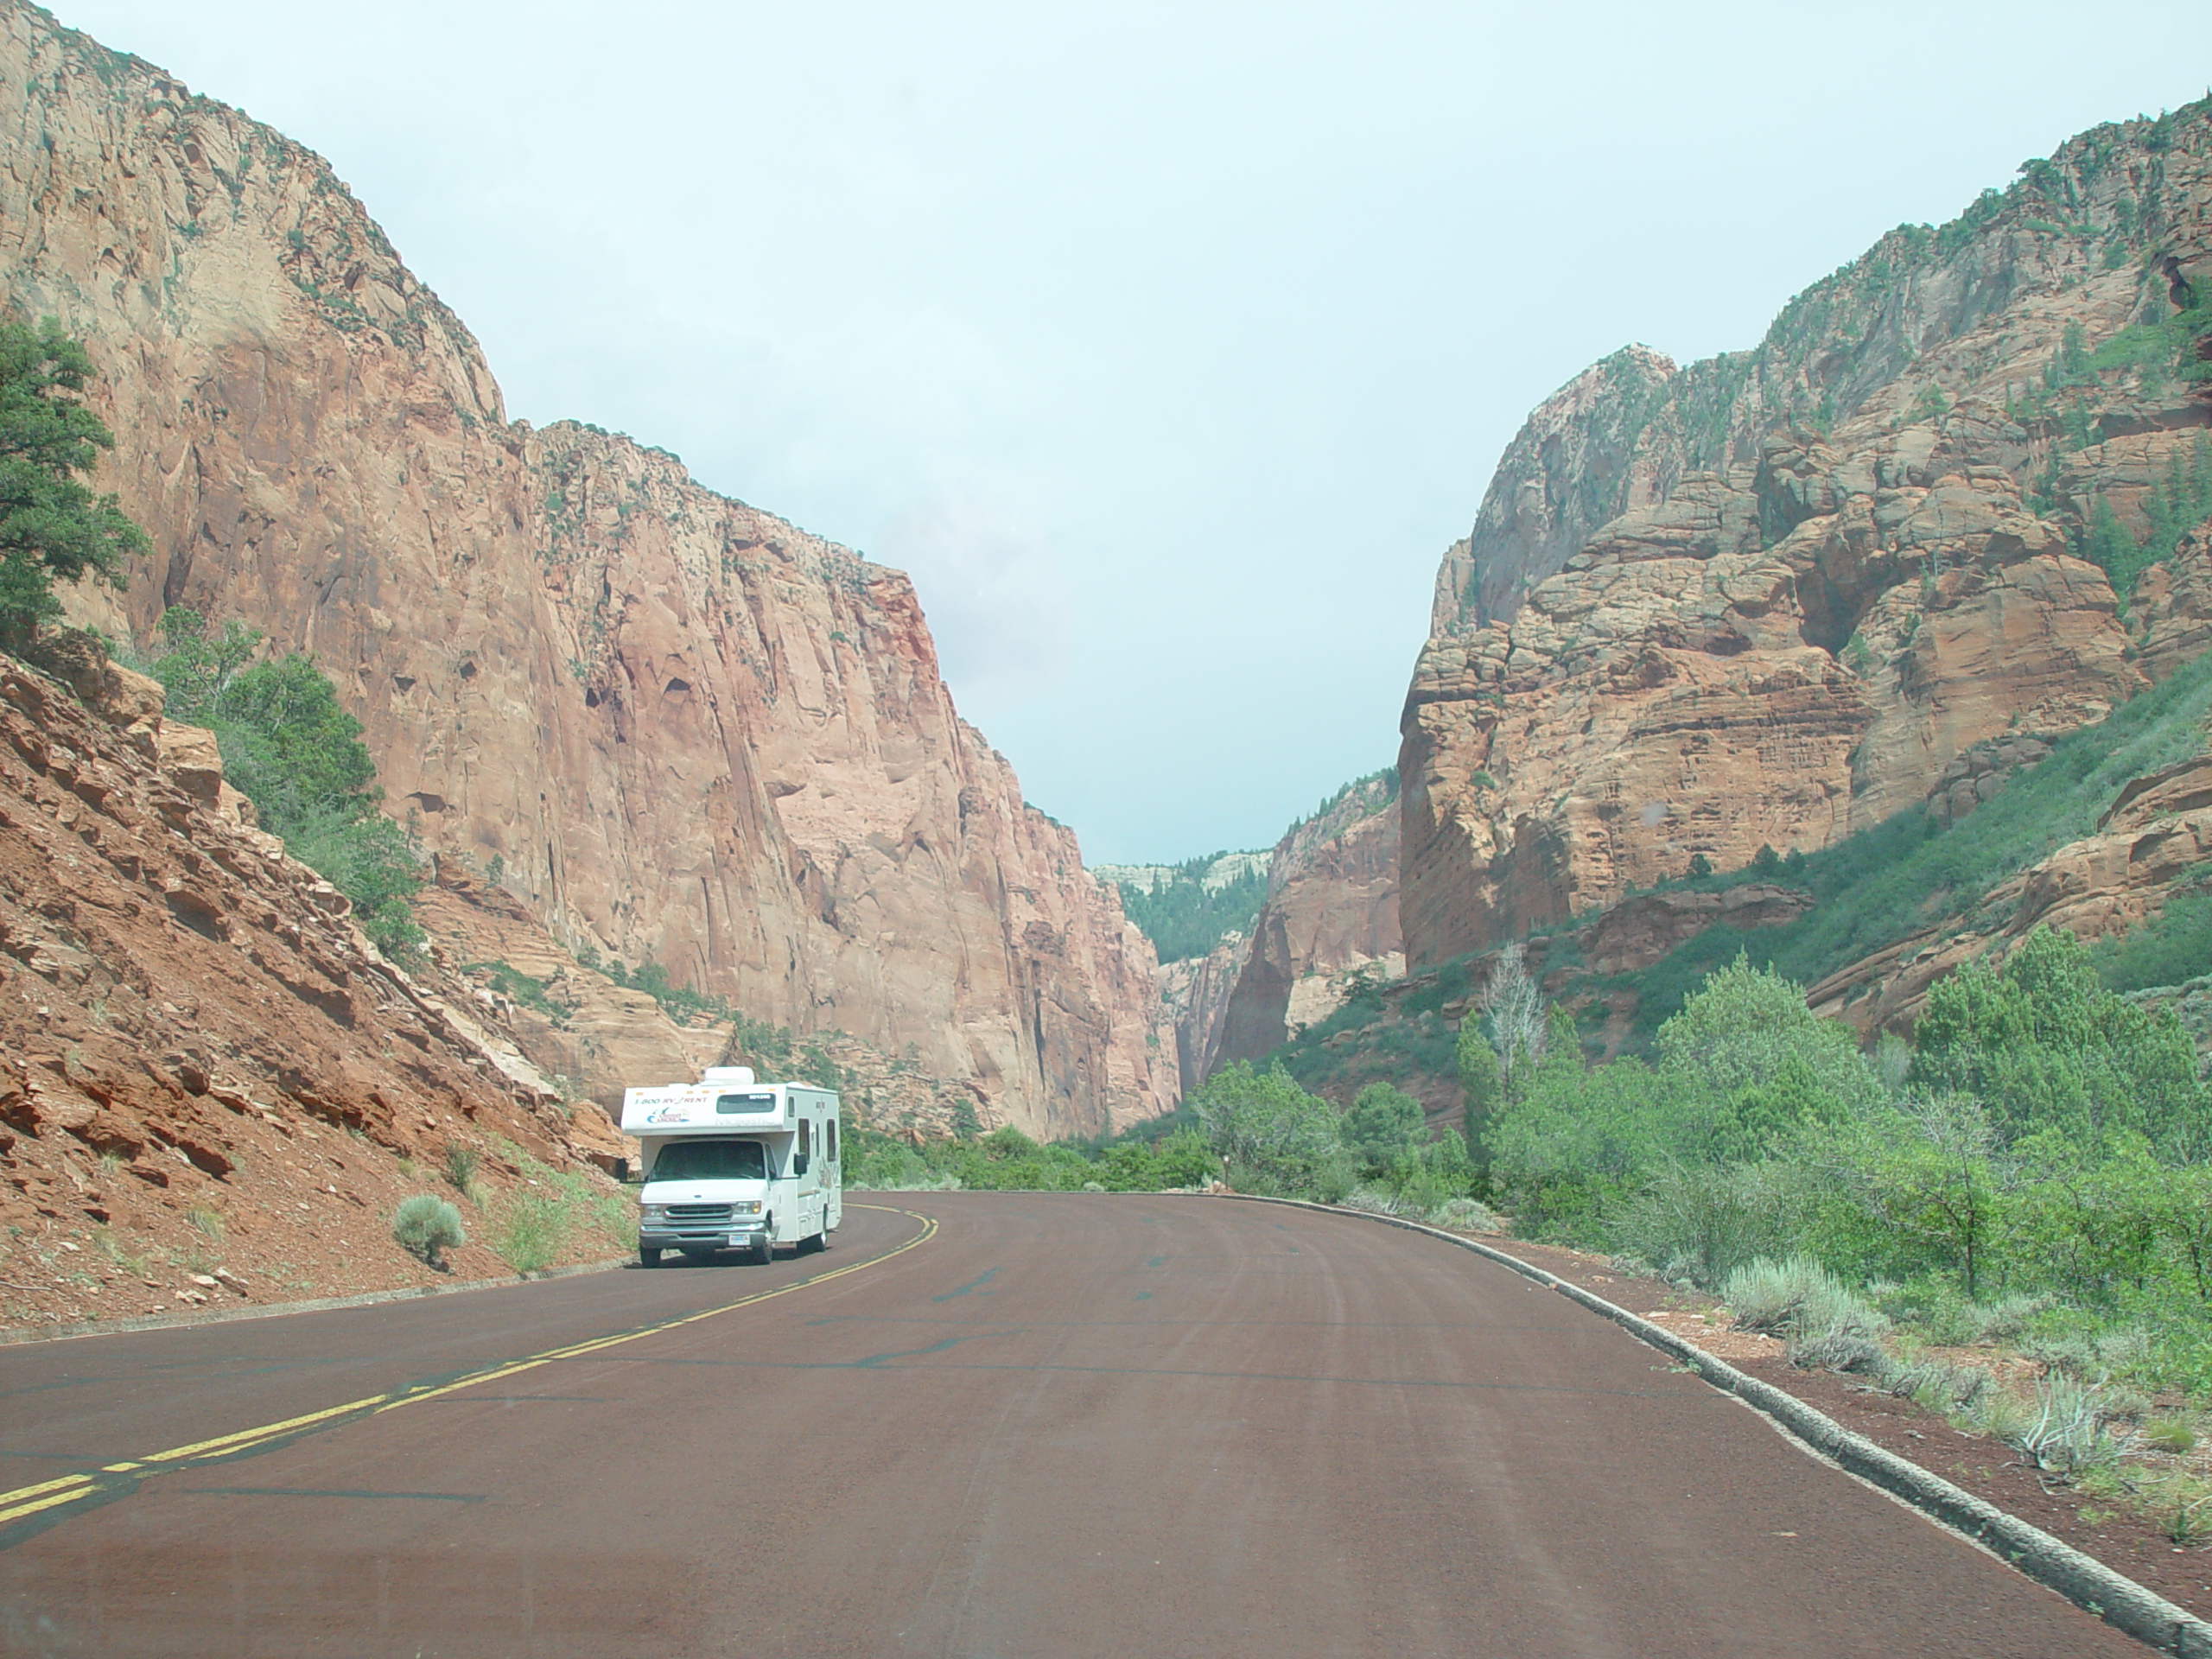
(1168, 345)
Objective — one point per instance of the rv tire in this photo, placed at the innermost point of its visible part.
(648, 1257)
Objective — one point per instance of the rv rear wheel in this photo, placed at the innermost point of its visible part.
(648, 1257)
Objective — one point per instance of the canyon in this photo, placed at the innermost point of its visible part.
(1327, 923)
(669, 727)
(1757, 602)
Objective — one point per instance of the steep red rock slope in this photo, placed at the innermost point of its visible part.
(677, 728)
(203, 1062)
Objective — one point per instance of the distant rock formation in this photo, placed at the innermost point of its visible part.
(1331, 910)
(1773, 597)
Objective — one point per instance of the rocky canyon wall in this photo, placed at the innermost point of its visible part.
(1772, 597)
(1331, 909)
(675, 728)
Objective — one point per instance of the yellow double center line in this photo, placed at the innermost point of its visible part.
(108, 1478)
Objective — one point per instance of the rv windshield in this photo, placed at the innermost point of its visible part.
(710, 1161)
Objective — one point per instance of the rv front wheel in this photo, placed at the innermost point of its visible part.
(648, 1258)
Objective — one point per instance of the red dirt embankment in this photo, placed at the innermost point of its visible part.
(213, 1090)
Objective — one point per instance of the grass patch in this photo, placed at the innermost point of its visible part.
(529, 1231)
(458, 1165)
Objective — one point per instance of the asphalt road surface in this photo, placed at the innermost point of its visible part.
(1050, 1425)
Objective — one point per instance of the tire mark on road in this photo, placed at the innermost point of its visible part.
(989, 1274)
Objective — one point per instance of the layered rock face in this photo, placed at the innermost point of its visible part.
(2150, 844)
(1638, 932)
(675, 728)
(1331, 910)
(200, 1055)
(592, 1037)
(1841, 560)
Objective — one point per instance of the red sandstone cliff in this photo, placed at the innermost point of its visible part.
(1841, 562)
(685, 729)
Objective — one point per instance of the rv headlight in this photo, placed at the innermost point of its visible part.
(652, 1212)
(745, 1207)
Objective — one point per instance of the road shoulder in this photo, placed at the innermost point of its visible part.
(2122, 1601)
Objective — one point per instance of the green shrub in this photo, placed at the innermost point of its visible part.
(1768, 1297)
(428, 1226)
(531, 1230)
(2173, 1436)
(459, 1165)
(1702, 1222)
(2181, 1503)
(580, 1200)
(1384, 1125)
(2000, 1414)
(292, 750)
(1469, 1215)
(1181, 1159)
(880, 1163)
(1274, 1137)
(2049, 1048)
(1840, 1334)
(2064, 1430)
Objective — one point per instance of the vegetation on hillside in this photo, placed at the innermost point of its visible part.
(1374, 791)
(51, 527)
(2046, 1144)
(1872, 890)
(1194, 908)
(1184, 917)
(289, 748)
(1882, 885)
(2175, 505)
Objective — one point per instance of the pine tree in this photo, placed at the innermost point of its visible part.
(51, 527)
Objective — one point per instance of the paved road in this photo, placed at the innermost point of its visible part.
(1059, 1425)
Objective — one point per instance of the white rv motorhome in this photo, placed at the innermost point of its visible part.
(732, 1164)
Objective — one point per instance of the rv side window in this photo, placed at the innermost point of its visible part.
(832, 1152)
(799, 1162)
